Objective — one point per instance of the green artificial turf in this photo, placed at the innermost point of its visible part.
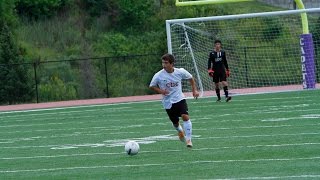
(253, 137)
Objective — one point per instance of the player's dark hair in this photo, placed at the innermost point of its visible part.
(168, 57)
(217, 41)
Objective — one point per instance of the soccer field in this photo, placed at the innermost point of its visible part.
(268, 135)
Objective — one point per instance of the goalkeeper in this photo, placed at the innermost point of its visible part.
(218, 69)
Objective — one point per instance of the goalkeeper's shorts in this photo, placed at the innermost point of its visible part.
(219, 77)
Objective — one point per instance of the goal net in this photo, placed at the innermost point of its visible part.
(263, 49)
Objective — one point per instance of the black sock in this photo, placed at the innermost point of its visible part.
(218, 93)
(226, 92)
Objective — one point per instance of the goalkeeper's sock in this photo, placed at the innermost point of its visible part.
(187, 125)
(218, 93)
(226, 92)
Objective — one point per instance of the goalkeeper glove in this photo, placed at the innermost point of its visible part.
(211, 72)
(228, 73)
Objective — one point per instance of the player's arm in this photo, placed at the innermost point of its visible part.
(186, 75)
(210, 70)
(195, 92)
(158, 90)
(225, 62)
(154, 85)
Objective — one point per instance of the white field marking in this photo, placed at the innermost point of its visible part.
(116, 128)
(74, 107)
(306, 116)
(57, 118)
(29, 125)
(264, 106)
(254, 127)
(52, 113)
(257, 99)
(260, 135)
(255, 104)
(258, 111)
(79, 122)
(162, 151)
(196, 121)
(122, 142)
(69, 113)
(60, 129)
(14, 140)
(272, 177)
(145, 140)
(65, 117)
(61, 155)
(277, 112)
(63, 123)
(159, 164)
(269, 111)
(311, 116)
(139, 125)
(151, 101)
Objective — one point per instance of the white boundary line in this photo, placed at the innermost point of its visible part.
(159, 164)
(14, 140)
(138, 102)
(272, 177)
(162, 151)
(115, 128)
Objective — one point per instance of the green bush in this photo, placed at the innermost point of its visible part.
(36, 9)
(7, 13)
(56, 90)
(134, 13)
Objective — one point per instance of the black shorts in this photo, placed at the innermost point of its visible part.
(219, 77)
(177, 110)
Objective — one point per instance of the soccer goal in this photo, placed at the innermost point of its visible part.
(266, 52)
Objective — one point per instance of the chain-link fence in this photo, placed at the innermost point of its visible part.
(74, 79)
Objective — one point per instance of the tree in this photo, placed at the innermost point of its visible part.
(36, 9)
(14, 80)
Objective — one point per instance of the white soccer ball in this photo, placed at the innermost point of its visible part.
(132, 148)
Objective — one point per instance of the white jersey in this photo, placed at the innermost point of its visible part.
(172, 83)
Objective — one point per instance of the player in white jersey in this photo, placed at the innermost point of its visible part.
(168, 83)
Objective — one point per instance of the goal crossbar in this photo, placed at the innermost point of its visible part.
(240, 16)
(206, 2)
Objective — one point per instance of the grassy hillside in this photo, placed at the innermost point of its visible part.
(71, 34)
(48, 31)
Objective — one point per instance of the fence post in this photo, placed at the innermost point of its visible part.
(36, 80)
(106, 76)
(246, 66)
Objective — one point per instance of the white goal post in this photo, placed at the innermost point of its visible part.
(265, 51)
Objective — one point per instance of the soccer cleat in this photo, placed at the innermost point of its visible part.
(228, 99)
(189, 143)
(181, 136)
(219, 100)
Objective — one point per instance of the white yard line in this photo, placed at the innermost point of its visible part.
(120, 142)
(14, 140)
(272, 177)
(305, 116)
(142, 102)
(158, 164)
(59, 129)
(75, 107)
(164, 117)
(161, 151)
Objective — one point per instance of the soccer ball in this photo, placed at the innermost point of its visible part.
(132, 148)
